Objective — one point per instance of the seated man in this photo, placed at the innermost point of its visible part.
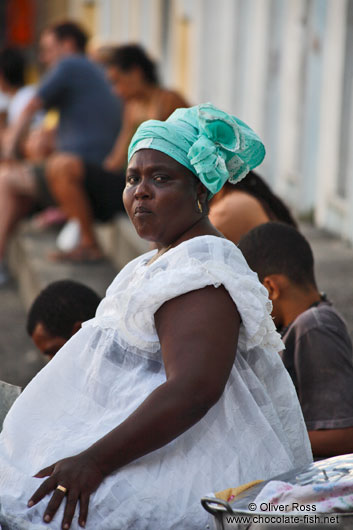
(12, 83)
(318, 352)
(58, 312)
(89, 121)
(87, 192)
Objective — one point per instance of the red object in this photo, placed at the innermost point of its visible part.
(20, 27)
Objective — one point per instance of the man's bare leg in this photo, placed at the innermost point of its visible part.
(17, 191)
(65, 174)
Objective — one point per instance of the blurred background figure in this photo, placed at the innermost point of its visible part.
(89, 121)
(58, 312)
(134, 77)
(4, 102)
(237, 209)
(12, 82)
(39, 142)
(90, 192)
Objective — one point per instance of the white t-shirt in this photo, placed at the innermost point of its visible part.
(19, 101)
(4, 102)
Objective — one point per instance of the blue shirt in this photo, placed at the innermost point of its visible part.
(90, 114)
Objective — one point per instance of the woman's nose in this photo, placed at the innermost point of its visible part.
(143, 189)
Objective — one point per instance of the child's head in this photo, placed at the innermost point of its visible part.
(283, 260)
(58, 312)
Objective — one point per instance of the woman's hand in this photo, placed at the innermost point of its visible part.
(80, 476)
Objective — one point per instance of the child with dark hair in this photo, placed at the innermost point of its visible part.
(237, 209)
(318, 349)
(58, 312)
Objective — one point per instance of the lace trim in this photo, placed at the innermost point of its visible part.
(131, 306)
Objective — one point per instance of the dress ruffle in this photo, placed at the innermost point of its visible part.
(196, 263)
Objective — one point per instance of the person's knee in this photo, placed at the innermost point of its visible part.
(62, 167)
(16, 179)
(4, 182)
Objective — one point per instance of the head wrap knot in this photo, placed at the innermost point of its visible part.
(212, 144)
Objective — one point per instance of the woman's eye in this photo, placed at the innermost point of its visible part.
(161, 178)
(132, 179)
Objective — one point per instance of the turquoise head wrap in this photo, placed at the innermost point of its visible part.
(212, 144)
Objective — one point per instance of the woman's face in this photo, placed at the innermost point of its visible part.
(125, 84)
(160, 197)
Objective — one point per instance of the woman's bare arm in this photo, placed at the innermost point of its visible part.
(198, 333)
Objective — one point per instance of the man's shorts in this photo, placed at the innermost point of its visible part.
(104, 190)
(44, 198)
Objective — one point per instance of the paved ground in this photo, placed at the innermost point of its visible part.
(334, 270)
(19, 360)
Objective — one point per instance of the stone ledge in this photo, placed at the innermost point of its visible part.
(120, 242)
(29, 264)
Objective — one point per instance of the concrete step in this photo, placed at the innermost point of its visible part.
(120, 241)
(30, 266)
(33, 271)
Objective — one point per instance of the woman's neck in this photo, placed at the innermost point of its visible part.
(202, 227)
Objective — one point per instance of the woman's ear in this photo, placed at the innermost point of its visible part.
(202, 193)
(273, 285)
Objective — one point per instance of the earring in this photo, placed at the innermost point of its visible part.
(199, 205)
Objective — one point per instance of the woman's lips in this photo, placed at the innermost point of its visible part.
(141, 210)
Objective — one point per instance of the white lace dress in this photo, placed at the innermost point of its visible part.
(112, 364)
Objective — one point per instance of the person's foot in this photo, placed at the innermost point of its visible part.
(49, 217)
(80, 254)
(4, 274)
(69, 236)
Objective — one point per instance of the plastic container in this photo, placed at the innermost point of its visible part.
(243, 514)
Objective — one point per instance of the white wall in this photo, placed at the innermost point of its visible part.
(278, 64)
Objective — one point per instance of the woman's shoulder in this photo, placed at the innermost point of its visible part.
(207, 249)
(236, 213)
(209, 260)
(207, 243)
(168, 101)
(237, 204)
(167, 93)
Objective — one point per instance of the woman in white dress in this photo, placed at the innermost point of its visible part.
(175, 388)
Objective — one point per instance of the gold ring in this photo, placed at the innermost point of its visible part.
(61, 488)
